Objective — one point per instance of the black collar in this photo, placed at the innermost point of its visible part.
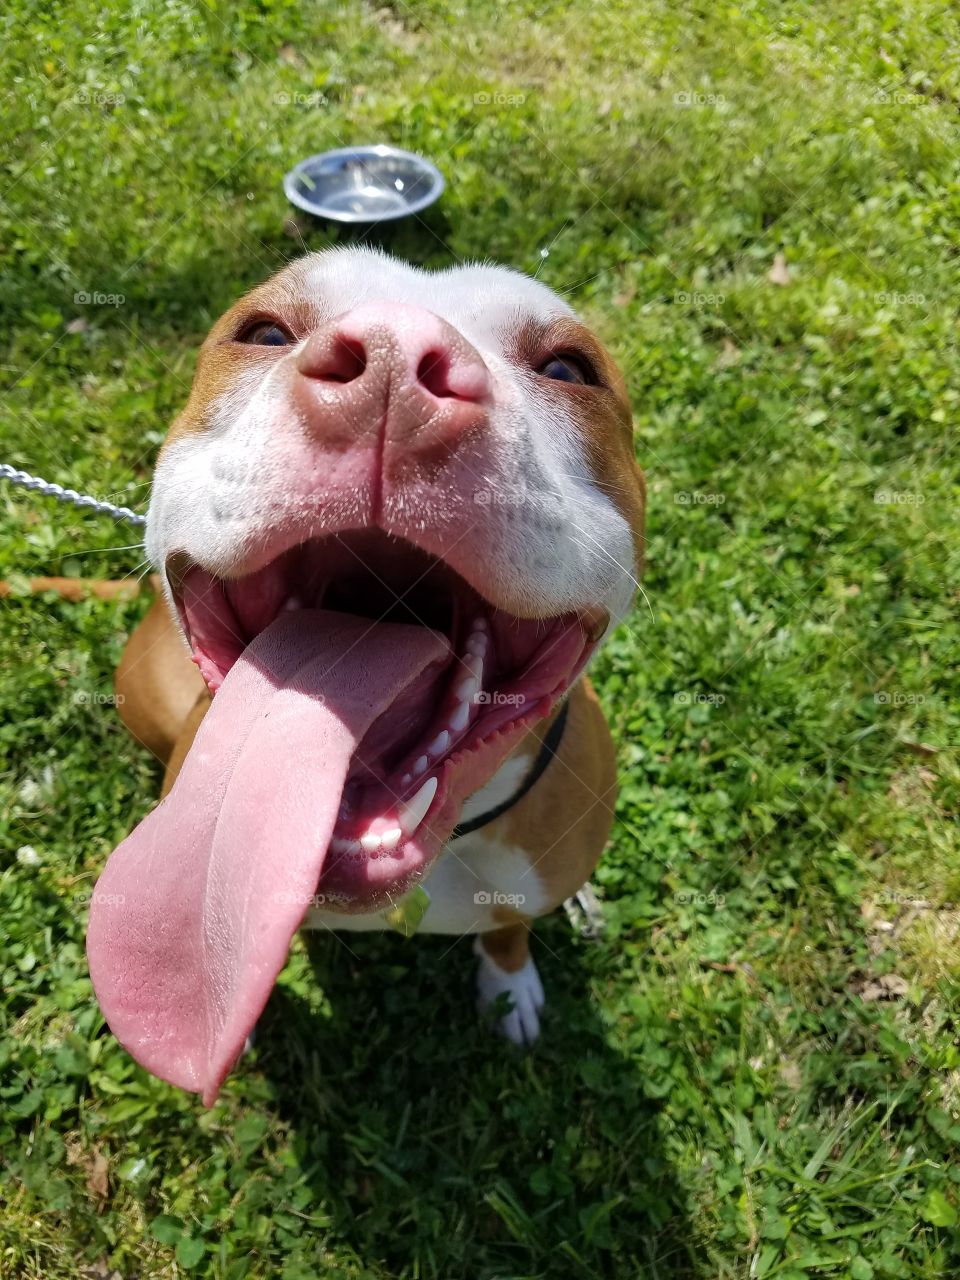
(548, 749)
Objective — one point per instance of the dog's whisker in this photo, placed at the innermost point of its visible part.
(99, 551)
(615, 561)
(607, 483)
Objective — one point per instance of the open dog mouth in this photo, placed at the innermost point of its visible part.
(489, 675)
(362, 690)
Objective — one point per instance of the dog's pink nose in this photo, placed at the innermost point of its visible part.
(399, 347)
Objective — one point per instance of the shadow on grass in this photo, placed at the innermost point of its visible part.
(436, 1148)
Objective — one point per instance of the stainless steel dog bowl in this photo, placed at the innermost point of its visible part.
(363, 184)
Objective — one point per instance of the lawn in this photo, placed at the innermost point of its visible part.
(754, 1072)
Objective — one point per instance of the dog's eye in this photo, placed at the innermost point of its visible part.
(567, 369)
(265, 333)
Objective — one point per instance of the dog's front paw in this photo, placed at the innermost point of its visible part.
(522, 1023)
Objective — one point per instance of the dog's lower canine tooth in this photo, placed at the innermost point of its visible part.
(461, 717)
(468, 689)
(474, 664)
(472, 682)
(414, 811)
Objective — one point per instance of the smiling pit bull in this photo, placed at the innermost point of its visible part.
(396, 519)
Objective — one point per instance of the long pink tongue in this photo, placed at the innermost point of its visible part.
(193, 915)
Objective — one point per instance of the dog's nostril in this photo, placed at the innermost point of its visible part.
(345, 361)
(433, 372)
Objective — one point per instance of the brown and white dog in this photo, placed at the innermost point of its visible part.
(395, 520)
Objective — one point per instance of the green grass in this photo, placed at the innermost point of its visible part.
(718, 1092)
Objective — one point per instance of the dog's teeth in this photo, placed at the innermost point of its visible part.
(370, 842)
(439, 745)
(420, 766)
(390, 839)
(339, 845)
(461, 717)
(406, 779)
(467, 690)
(414, 811)
(472, 682)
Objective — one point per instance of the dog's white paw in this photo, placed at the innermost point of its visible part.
(522, 1023)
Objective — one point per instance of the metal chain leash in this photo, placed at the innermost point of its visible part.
(50, 490)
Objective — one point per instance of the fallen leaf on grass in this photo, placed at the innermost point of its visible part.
(889, 986)
(289, 54)
(98, 1176)
(778, 273)
(730, 355)
(95, 1166)
(101, 1270)
(790, 1074)
(921, 748)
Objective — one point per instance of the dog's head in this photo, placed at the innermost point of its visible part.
(395, 519)
(465, 417)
